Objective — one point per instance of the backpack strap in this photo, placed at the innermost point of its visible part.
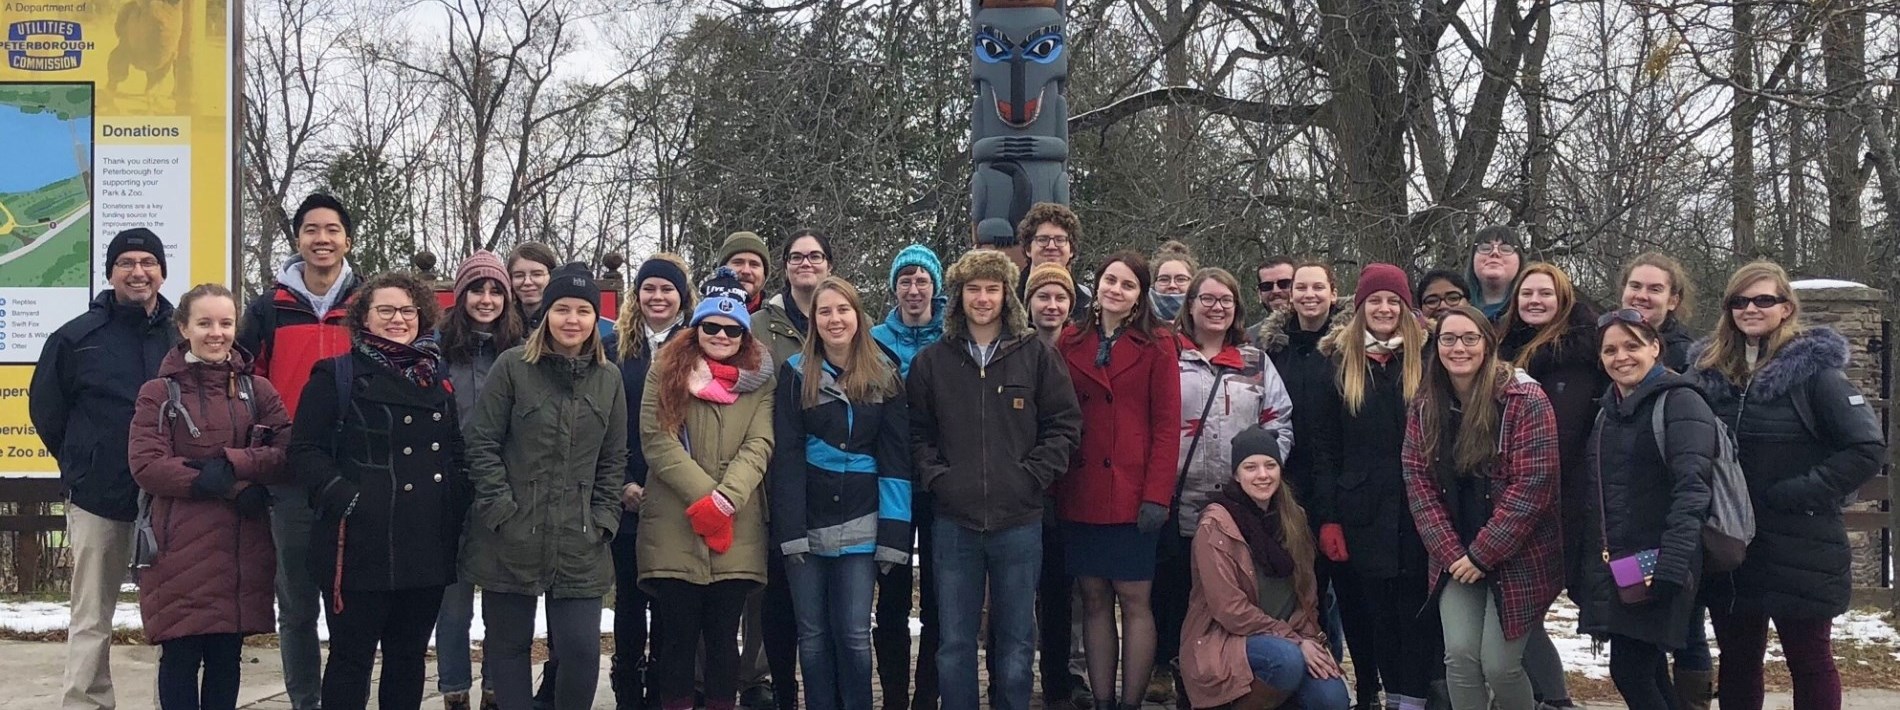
(247, 393)
(344, 369)
(1657, 421)
(175, 406)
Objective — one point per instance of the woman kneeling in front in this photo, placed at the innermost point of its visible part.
(1252, 636)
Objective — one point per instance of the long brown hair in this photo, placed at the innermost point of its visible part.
(458, 339)
(675, 364)
(867, 375)
(1728, 351)
(1478, 427)
(1297, 536)
(1549, 335)
(1141, 318)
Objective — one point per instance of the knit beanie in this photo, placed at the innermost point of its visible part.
(323, 200)
(1045, 274)
(136, 239)
(920, 256)
(1378, 277)
(482, 264)
(740, 242)
(663, 269)
(722, 295)
(1254, 441)
(570, 281)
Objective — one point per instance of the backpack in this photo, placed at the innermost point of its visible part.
(1731, 523)
(145, 539)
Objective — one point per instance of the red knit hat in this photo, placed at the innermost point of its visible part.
(1382, 277)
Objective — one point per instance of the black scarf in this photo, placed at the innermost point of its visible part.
(1260, 527)
(415, 361)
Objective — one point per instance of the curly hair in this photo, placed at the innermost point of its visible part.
(429, 311)
(1059, 215)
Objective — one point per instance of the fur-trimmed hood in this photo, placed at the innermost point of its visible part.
(1808, 352)
(1273, 334)
(978, 265)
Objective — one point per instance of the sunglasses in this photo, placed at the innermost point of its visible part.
(1271, 286)
(1764, 301)
(1621, 315)
(731, 331)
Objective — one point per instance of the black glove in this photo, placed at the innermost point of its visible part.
(1150, 518)
(215, 478)
(1662, 590)
(253, 502)
(335, 497)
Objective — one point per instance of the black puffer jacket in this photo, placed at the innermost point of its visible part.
(1369, 494)
(1308, 375)
(1648, 499)
(1806, 439)
(1572, 379)
(1676, 340)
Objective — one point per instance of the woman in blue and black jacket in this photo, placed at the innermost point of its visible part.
(839, 491)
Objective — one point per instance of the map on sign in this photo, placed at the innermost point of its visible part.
(46, 185)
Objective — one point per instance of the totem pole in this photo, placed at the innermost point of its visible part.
(1020, 120)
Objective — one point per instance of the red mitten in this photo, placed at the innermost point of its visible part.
(711, 517)
(1332, 542)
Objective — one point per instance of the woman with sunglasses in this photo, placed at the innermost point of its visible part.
(706, 429)
(1481, 477)
(1806, 439)
(1650, 497)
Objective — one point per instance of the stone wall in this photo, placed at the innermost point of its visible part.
(1856, 313)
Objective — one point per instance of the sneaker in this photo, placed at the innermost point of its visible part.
(488, 700)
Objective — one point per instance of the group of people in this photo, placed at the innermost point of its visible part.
(1407, 479)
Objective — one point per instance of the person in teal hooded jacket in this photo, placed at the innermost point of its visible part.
(915, 321)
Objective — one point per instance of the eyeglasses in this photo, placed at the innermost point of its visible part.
(731, 331)
(1044, 242)
(1271, 286)
(1497, 248)
(130, 264)
(1208, 300)
(1450, 299)
(1469, 340)
(1764, 301)
(810, 257)
(391, 312)
(1621, 315)
(1173, 279)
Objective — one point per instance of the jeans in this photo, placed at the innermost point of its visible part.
(573, 630)
(1009, 561)
(1807, 643)
(1480, 664)
(1694, 654)
(924, 517)
(1544, 667)
(1641, 672)
(696, 615)
(298, 600)
(1280, 664)
(179, 661)
(399, 621)
(454, 672)
(832, 596)
(628, 673)
(102, 550)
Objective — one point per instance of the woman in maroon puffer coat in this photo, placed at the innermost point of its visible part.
(203, 458)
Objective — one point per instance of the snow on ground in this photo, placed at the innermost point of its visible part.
(1580, 656)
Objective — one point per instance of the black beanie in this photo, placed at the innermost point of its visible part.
(665, 270)
(1254, 441)
(321, 200)
(136, 239)
(570, 281)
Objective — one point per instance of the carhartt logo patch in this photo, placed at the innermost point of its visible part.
(1856, 400)
(1017, 403)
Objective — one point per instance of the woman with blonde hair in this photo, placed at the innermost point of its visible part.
(1377, 364)
(1807, 440)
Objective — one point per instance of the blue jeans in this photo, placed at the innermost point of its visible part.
(1279, 663)
(831, 596)
(1011, 562)
(454, 673)
(298, 599)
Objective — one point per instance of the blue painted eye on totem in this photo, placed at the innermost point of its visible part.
(1044, 46)
(992, 47)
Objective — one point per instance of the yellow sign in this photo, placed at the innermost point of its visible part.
(114, 114)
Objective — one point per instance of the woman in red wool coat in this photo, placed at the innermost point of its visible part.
(1115, 498)
(202, 457)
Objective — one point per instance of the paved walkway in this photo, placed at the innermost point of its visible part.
(34, 680)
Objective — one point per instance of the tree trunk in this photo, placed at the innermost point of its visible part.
(1741, 125)
(1843, 57)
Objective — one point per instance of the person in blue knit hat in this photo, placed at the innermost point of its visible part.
(723, 295)
(916, 317)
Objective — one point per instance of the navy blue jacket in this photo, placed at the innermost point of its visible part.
(841, 471)
(81, 398)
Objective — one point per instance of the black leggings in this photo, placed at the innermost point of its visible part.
(400, 622)
(890, 635)
(696, 614)
(1406, 640)
(629, 671)
(1641, 672)
(179, 661)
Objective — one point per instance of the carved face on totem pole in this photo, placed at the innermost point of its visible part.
(1019, 118)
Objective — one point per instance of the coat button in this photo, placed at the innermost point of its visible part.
(408, 486)
(436, 446)
(834, 499)
(406, 419)
(438, 478)
(1111, 398)
(406, 451)
(438, 416)
(1107, 464)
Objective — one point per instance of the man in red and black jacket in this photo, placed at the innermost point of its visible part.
(287, 329)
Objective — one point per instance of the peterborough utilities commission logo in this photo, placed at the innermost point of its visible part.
(45, 45)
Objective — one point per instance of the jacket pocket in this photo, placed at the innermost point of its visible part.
(1356, 504)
